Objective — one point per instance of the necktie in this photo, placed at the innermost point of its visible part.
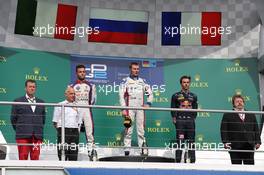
(242, 116)
(32, 100)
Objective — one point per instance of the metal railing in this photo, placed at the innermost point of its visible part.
(63, 106)
(131, 108)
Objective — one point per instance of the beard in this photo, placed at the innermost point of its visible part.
(186, 88)
(240, 107)
(81, 78)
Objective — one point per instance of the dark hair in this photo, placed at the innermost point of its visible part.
(237, 96)
(133, 63)
(185, 77)
(79, 66)
(29, 81)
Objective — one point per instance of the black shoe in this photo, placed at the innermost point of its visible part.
(92, 155)
(126, 153)
(82, 129)
(178, 156)
(144, 152)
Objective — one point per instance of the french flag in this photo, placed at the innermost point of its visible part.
(181, 28)
(119, 26)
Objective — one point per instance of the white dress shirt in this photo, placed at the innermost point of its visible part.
(72, 117)
(31, 100)
(241, 115)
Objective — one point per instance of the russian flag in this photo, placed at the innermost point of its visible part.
(181, 28)
(119, 26)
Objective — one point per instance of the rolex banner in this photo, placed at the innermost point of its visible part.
(214, 82)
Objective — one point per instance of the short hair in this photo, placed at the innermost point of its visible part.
(237, 96)
(68, 88)
(29, 81)
(79, 66)
(133, 63)
(185, 77)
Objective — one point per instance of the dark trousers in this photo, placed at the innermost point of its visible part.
(246, 158)
(185, 137)
(71, 140)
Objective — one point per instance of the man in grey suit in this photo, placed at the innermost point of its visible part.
(28, 122)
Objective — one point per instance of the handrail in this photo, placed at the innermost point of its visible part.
(131, 108)
(126, 107)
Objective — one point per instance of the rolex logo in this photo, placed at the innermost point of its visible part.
(236, 67)
(36, 75)
(158, 123)
(200, 137)
(3, 90)
(157, 93)
(158, 129)
(45, 141)
(197, 77)
(158, 97)
(3, 123)
(198, 83)
(36, 70)
(2, 59)
(238, 91)
(118, 137)
(237, 62)
(202, 114)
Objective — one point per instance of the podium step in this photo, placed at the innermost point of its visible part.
(137, 159)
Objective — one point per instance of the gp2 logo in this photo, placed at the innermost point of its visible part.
(97, 71)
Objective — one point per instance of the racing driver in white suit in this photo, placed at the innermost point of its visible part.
(132, 92)
(86, 95)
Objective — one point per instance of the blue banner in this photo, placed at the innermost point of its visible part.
(113, 70)
(110, 171)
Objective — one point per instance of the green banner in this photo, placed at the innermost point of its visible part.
(214, 81)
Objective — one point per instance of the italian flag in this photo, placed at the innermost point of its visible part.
(50, 20)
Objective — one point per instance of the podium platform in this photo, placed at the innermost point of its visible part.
(12, 167)
(137, 159)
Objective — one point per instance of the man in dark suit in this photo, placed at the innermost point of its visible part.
(184, 121)
(239, 131)
(28, 122)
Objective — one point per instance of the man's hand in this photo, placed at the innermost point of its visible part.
(55, 125)
(257, 146)
(124, 113)
(146, 105)
(79, 127)
(174, 120)
(227, 145)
